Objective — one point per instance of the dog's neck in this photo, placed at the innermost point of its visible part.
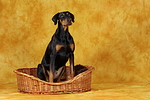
(65, 28)
(62, 28)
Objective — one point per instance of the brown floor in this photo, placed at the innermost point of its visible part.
(106, 91)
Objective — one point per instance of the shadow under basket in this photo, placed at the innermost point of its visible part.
(28, 82)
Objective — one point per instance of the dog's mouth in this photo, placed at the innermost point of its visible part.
(66, 22)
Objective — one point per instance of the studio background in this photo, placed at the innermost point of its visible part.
(111, 35)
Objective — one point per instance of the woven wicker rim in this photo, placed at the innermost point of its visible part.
(90, 68)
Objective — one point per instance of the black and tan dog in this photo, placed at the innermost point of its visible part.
(59, 50)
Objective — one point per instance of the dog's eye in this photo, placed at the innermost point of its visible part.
(68, 14)
(61, 15)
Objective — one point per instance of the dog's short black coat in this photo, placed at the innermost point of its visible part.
(59, 50)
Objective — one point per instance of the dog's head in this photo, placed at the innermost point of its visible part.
(66, 18)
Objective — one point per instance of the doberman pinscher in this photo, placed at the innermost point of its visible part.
(59, 50)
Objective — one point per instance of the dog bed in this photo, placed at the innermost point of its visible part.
(28, 82)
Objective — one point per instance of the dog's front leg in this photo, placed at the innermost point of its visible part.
(71, 67)
(51, 72)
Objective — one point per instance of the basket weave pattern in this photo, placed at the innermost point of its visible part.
(28, 82)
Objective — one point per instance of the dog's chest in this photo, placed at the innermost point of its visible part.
(64, 50)
(65, 44)
(62, 55)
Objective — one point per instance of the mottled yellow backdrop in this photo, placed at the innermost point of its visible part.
(111, 35)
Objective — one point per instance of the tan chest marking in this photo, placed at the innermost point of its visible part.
(72, 46)
(58, 47)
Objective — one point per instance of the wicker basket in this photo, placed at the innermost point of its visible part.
(28, 82)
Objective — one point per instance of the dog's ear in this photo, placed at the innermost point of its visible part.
(72, 16)
(55, 18)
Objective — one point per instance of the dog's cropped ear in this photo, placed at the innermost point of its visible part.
(55, 18)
